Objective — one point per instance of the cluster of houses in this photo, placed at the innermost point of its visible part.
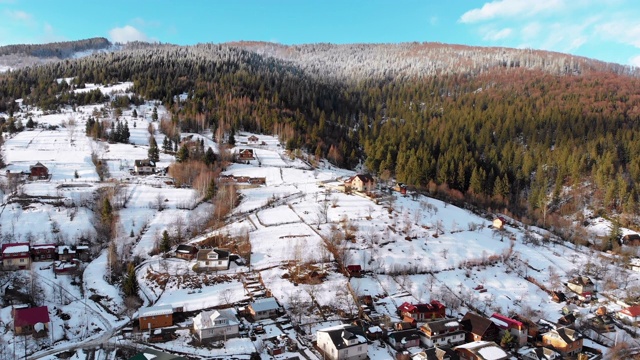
(426, 333)
(36, 172)
(66, 259)
(206, 259)
(210, 325)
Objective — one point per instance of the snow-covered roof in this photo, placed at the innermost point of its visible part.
(16, 249)
(206, 319)
(155, 311)
(487, 349)
(265, 304)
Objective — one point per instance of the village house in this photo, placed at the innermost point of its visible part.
(583, 286)
(38, 171)
(423, 312)
(253, 139)
(66, 253)
(245, 155)
(16, 256)
(354, 270)
(479, 328)
(630, 314)
(634, 264)
(45, 252)
(401, 340)
(155, 317)
(66, 268)
(567, 342)
(361, 183)
(443, 332)
(499, 223)
(263, 308)
(31, 321)
(144, 167)
(344, 342)
(213, 259)
(481, 350)
(436, 353)
(539, 353)
(186, 252)
(216, 325)
(515, 327)
(148, 354)
(630, 239)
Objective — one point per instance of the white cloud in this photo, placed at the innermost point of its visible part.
(18, 15)
(531, 30)
(635, 61)
(495, 35)
(510, 9)
(626, 32)
(126, 34)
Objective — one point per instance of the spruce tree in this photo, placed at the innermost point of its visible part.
(165, 243)
(130, 284)
(183, 154)
(154, 152)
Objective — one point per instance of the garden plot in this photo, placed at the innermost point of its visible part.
(275, 244)
(277, 216)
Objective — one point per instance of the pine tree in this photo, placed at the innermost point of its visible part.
(232, 137)
(210, 157)
(183, 154)
(125, 133)
(134, 114)
(153, 154)
(212, 190)
(165, 242)
(154, 115)
(130, 284)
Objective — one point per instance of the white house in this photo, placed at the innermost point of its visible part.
(145, 166)
(343, 342)
(216, 325)
(213, 259)
(263, 308)
(631, 314)
(442, 332)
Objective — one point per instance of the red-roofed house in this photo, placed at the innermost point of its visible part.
(423, 312)
(45, 252)
(515, 327)
(631, 314)
(499, 223)
(31, 321)
(16, 256)
(361, 182)
(354, 270)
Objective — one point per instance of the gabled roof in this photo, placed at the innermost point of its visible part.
(206, 319)
(155, 311)
(434, 305)
(145, 162)
(633, 311)
(204, 253)
(38, 165)
(186, 249)
(406, 335)
(504, 322)
(476, 324)
(265, 304)
(365, 178)
(567, 335)
(487, 350)
(338, 334)
(441, 325)
(15, 248)
(581, 280)
(30, 316)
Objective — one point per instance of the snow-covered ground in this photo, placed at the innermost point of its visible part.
(412, 248)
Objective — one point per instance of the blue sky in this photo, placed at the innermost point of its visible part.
(608, 30)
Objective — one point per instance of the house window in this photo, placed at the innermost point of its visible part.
(359, 348)
(219, 262)
(21, 260)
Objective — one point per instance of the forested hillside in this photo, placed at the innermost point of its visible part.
(534, 132)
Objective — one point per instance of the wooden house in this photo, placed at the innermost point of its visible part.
(31, 321)
(583, 286)
(38, 171)
(567, 342)
(253, 139)
(66, 253)
(155, 317)
(442, 332)
(630, 239)
(499, 223)
(479, 328)
(354, 270)
(515, 327)
(423, 312)
(44, 252)
(16, 256)
(401, 340)
(246, 155)
(186, 252)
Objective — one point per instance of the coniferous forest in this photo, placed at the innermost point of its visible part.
(531, 133)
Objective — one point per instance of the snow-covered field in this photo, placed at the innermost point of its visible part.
(412, 248)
